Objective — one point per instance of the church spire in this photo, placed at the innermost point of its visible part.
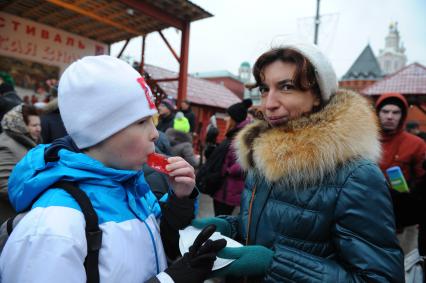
(392, 57)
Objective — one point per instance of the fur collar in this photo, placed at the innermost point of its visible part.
(307, 149)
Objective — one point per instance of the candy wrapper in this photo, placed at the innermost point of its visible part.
(158, 162)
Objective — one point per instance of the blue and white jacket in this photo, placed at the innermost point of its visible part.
(49, 244)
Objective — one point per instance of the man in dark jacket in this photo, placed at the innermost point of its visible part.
(185, 107)
(52, 126)
(166, 110)
(413, 127)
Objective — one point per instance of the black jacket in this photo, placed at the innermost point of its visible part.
(52, 127)
(191, 119)
(165, 123)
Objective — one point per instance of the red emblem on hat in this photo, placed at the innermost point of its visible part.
(143, 84)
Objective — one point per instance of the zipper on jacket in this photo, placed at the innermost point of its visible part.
(253, 194)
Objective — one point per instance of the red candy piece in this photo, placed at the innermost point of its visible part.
(158, 162)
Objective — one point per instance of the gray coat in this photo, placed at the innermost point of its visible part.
(181, 145)
(11, 152)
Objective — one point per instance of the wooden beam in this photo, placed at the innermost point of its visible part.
(123, 48)
(113, 36)
(169, 46)
(165, 80)
(70, 20)
(116, 14)
(92, 15)
(155, 13)
(48, 16)
(87, 28)
(142, 64)
(183, 69)
(6, 4)
(422, 109)
(100, 31)
(32, 10)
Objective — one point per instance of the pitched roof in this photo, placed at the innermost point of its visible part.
(365, 67)
(216, 74)
(200, 91)
(409, 80)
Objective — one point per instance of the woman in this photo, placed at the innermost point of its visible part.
(229, 195)
(21, 132)
(211, 137)
(316, 207)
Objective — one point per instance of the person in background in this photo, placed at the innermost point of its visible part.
(166, 118)
(181, 145)
(407, 151)
(108, 144)
(315, 207)
(212, 133)
(229, 195)
(52, 126)
(185, 107)
(21, 127)
(181, 123)
(413, 127)
(8, 96)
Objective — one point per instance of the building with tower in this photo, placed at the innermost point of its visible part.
(364, 72)
(245, 75)
(244, 72)
(392, 58)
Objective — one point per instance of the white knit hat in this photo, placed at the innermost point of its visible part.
(324, 72)
(99, 96)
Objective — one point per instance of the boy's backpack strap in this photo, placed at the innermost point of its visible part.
(93, 233)
(10, 224)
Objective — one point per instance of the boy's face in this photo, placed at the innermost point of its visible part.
(129, 148)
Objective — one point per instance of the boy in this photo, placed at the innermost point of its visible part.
(106, 107)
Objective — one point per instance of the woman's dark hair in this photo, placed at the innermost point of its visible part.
(212, 135)
(28, 110)
(304, 76)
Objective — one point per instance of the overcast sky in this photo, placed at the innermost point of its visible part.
(240, 30)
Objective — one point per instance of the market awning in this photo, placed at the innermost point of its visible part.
(107, 21)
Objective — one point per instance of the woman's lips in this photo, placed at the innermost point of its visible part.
(274, 121)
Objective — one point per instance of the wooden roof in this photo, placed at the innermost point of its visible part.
(200, 91)
(410, 80)
(107, 21)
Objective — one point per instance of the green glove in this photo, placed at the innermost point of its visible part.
(249, 261)
(222, 226)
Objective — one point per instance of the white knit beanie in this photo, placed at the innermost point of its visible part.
(101, 95)
(324, 72)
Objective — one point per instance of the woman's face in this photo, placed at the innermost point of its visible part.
(281, 102)
(129, 148)
(34, 127)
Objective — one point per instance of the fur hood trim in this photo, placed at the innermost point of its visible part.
(306, 149)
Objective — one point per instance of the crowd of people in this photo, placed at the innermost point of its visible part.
(310, 172)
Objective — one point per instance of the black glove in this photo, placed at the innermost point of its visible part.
(196, 265)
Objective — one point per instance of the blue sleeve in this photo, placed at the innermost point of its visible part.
(363, 234)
